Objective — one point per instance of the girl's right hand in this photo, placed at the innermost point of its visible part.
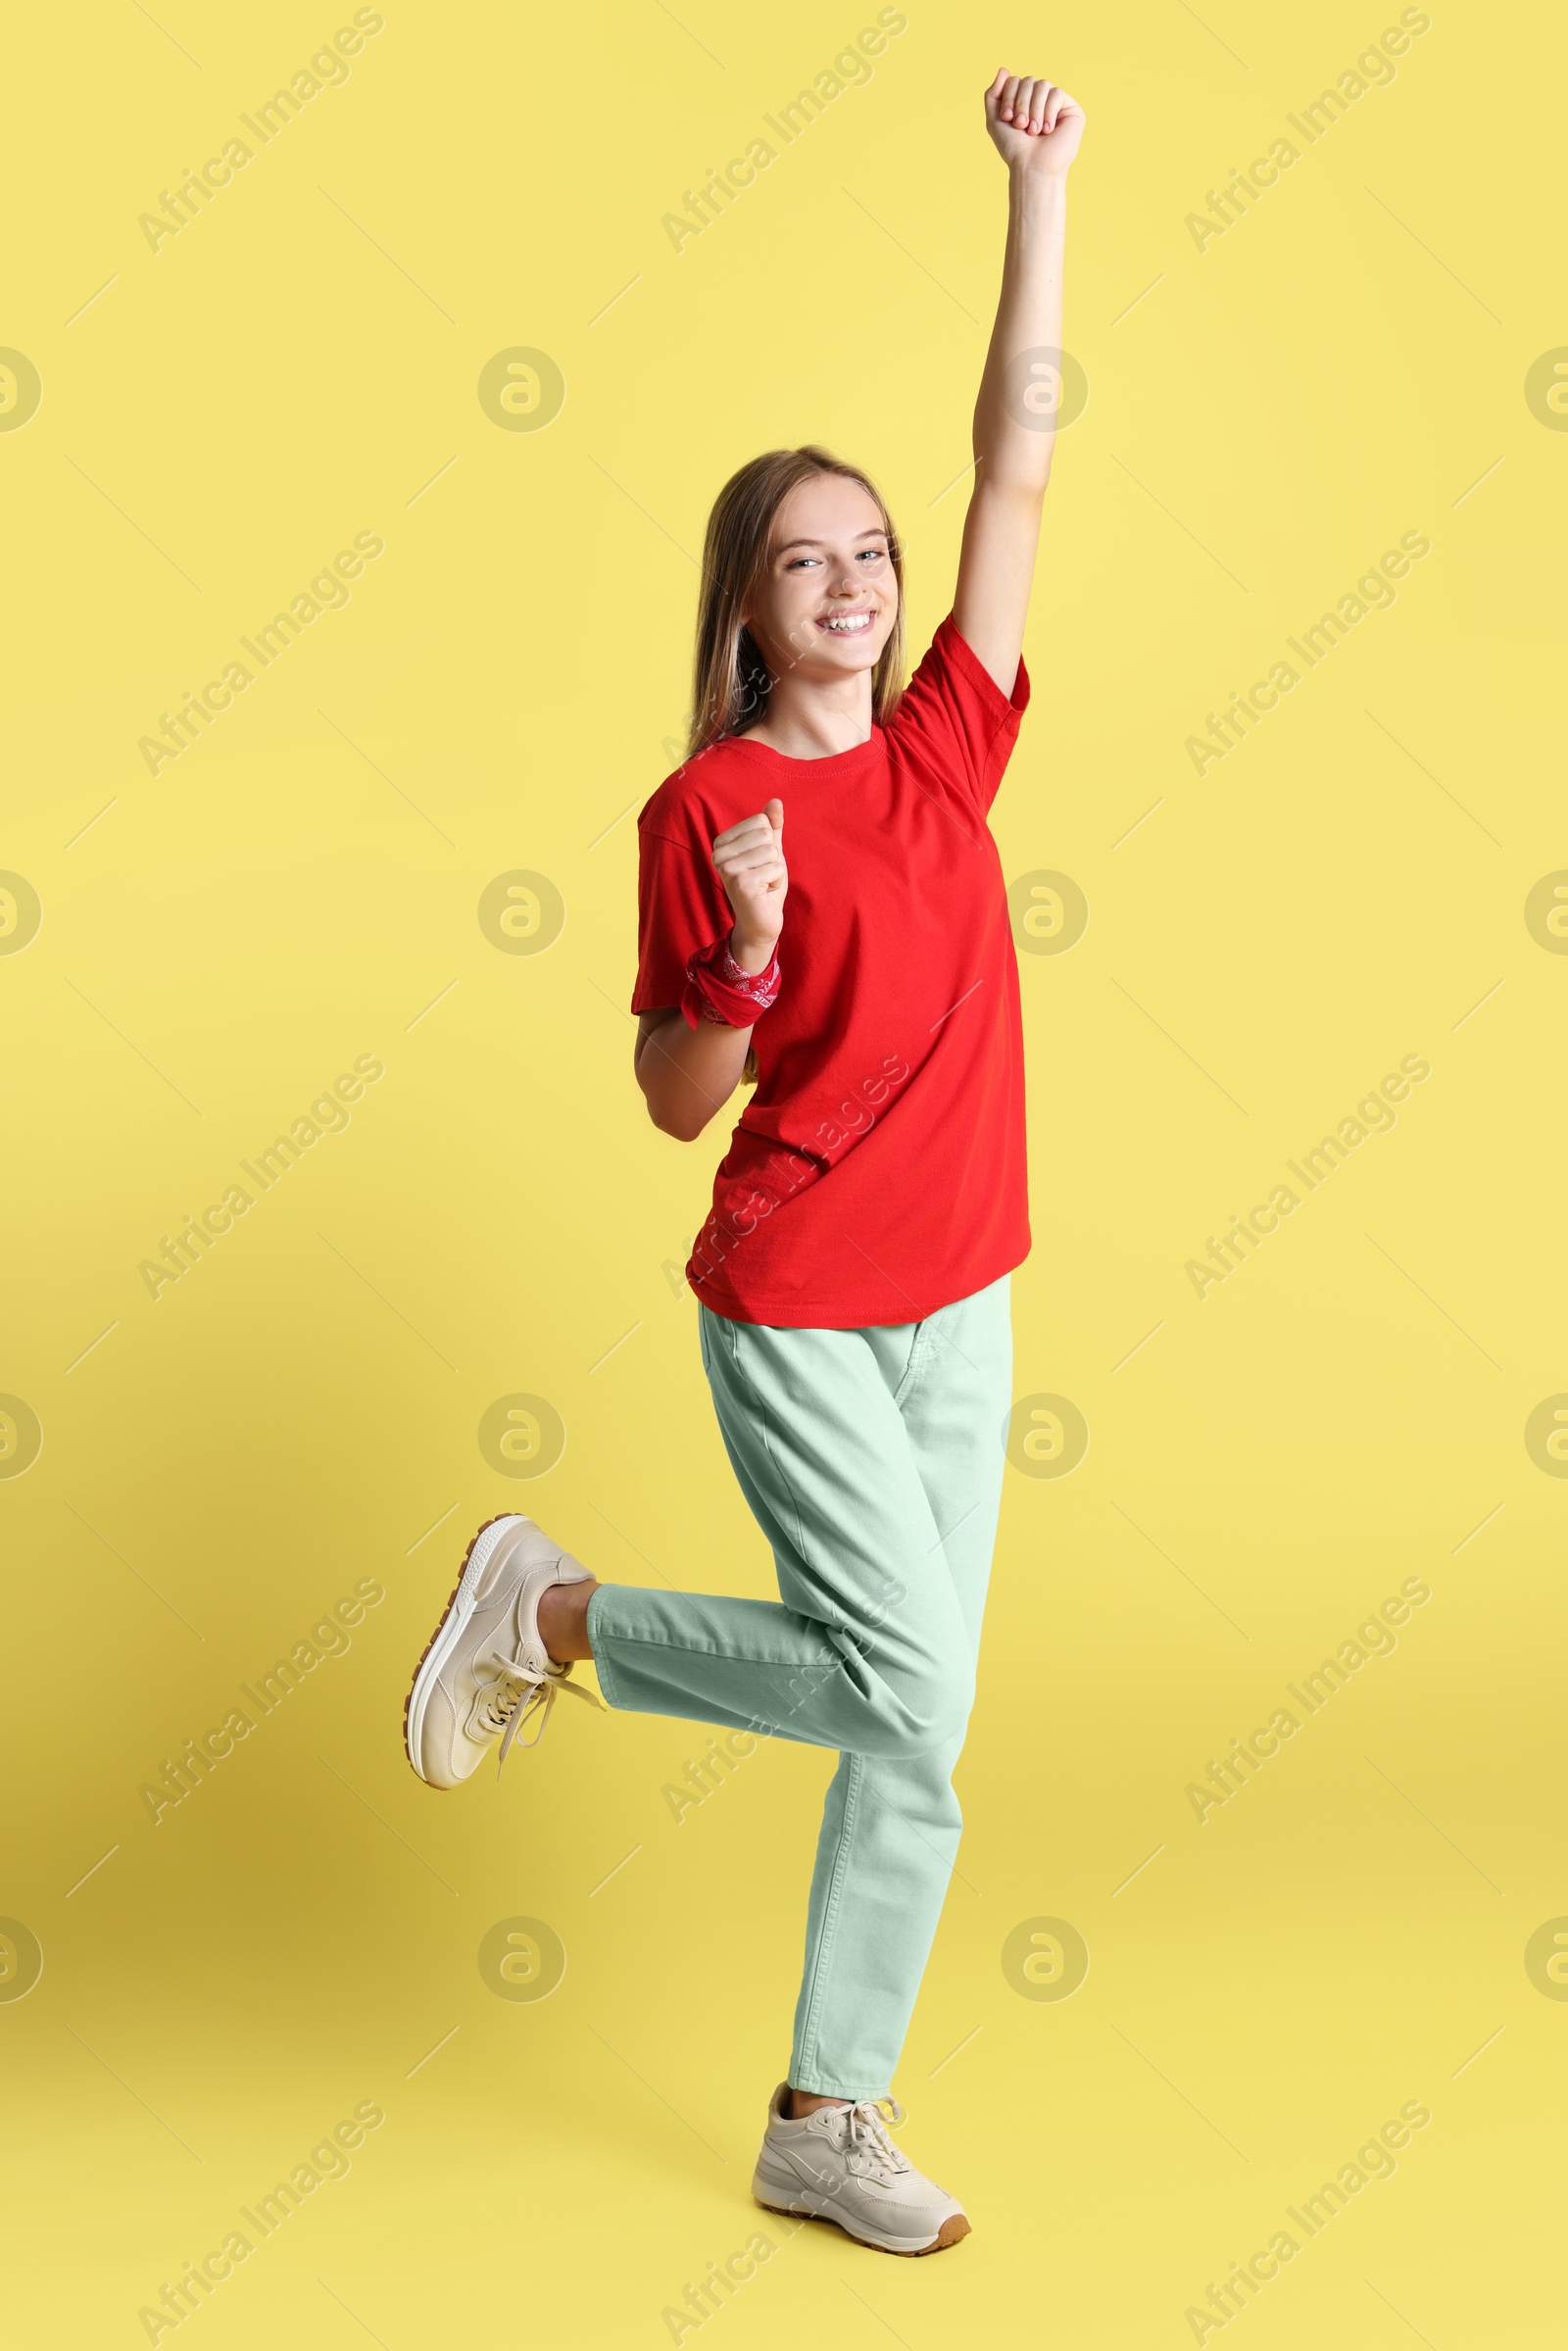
(748, 859)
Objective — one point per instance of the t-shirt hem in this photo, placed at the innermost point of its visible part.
(832, 1314)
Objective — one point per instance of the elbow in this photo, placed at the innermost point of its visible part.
(669, 1122)
(1022, 481)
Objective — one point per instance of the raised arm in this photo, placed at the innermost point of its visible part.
(1036, 128)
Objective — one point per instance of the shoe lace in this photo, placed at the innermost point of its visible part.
(518, 1695)
(866, 2133)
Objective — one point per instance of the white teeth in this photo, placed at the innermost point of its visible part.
(849, 623)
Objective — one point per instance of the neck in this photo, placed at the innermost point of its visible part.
(809, 720)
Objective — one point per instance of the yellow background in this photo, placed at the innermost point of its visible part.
(294, 1415)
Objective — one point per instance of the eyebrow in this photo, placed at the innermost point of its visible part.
(876, 532)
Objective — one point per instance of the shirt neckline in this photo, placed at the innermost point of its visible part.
(830, 759)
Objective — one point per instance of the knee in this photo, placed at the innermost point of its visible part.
(927, 1710)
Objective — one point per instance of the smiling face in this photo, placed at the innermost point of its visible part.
(828, 596)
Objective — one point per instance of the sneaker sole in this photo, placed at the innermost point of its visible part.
(952, 2232)
(442, 1641)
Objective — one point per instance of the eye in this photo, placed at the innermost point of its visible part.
(873, 555)
(797, 561)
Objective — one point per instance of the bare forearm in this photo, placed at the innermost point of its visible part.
(688, 1075)
(1016, 413)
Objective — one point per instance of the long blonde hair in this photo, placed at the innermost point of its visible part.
(732, 683)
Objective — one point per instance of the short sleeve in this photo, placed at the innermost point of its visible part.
(954, 721)
(681, 908)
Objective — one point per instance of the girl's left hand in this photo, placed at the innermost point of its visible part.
(1035, 126)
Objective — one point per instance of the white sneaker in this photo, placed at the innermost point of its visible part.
(486, 1670)
(840, 2164)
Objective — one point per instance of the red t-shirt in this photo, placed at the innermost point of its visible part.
(878, 1169)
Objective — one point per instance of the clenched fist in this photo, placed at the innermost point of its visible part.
(1034, 123)
(748, 859)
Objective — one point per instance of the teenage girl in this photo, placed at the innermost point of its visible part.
(853, 1278)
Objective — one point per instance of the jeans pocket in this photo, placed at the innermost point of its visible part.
(913, 1369)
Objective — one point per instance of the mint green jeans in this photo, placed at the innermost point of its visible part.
(872, 1459)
